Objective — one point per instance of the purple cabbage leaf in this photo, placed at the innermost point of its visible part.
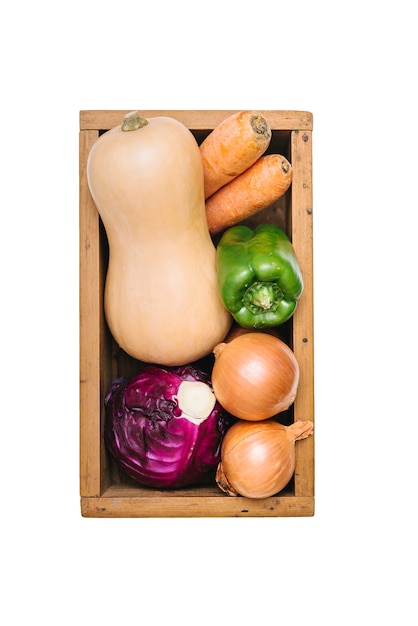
(164, 426)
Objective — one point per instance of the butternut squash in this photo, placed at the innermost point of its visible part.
(161, 300)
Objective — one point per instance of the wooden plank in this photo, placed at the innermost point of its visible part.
(112, 505)
(303, 339)
(90, 331)
(196, 120)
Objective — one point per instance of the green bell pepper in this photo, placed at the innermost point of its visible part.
(258, 275)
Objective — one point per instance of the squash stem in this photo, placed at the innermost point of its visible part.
(133, 121)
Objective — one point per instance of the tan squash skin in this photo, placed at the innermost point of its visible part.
(161, 298)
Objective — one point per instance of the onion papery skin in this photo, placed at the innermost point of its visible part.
(255, 376)
(258, 458)
(236, 331)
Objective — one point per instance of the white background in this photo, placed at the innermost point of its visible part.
(351, 65)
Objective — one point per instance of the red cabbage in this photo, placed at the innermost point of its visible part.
(153, 435)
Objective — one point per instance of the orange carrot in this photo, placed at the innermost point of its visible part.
(255, 189)
(232, 147)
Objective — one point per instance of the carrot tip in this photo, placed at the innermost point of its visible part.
(285, 165)
(261, 126)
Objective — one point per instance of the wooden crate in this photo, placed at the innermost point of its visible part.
(104, 493)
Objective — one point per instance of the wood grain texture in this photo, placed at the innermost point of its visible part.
(93, 335)
(203, 502)
(196, 120)
(303, 329)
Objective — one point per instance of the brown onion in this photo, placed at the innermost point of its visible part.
(258, 458)
(255, 376)
(236, 331)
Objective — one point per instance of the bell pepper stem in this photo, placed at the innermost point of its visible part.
(262, 296)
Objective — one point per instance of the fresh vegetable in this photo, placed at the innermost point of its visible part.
(259, 277)
(237, 330)
(164, 426)
(255, 376)
(161, 298)
(258, 459)
(232, 147)
(255, 189)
